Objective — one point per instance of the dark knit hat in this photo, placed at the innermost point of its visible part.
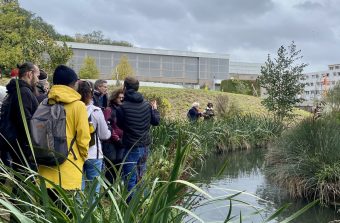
(64, 75)
(43, 75)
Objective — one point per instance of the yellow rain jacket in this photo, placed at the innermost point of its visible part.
(76, 121)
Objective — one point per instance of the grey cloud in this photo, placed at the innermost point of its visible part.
(309, 5)
(248, 28)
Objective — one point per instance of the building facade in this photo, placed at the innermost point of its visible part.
(244, 70)
(166, 66)
(318, 83)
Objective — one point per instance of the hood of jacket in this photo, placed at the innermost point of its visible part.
(133, 96)
(64, 94)
(11, 86)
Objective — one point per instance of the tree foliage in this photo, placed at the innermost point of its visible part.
(97, 37)
(281, 79)
(240, 86)
(123, 69)
(21, 40)
(89, 69)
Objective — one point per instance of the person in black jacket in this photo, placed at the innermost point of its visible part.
(134, 117)
(28, 78)
(100, 94)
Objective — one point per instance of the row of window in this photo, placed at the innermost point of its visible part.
(320, 83)
(320, 75)
(336, 67)
(315, 92)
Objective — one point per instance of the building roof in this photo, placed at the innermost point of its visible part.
(123, 49)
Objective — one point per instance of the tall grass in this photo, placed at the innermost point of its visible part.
(306, 159)
(153, 200)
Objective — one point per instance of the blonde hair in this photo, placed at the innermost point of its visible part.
(195, 104)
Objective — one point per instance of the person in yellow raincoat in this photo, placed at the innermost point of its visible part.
(63, 90)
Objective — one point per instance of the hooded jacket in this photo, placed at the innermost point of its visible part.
(30, 105)
(76, 123)
(134, 117)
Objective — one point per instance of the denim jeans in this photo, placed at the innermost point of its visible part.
(134, 166)
(91, 169)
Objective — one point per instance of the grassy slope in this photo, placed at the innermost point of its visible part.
(182, 99)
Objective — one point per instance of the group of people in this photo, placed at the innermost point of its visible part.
(104, 131)
(194, 112)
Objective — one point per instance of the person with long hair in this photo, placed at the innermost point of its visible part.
(99, 131)
(113, 148)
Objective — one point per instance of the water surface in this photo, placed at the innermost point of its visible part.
(245, 172)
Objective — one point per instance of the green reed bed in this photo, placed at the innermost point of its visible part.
(222, 135)
(306, 159)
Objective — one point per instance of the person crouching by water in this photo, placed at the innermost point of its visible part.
(194, 113)
(209, 113)
(99, 131)
(113, 148)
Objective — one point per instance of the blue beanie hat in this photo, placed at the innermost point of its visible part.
(64, 75)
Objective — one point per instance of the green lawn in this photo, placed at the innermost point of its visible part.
(182, 99)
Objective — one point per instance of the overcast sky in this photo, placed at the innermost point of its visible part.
(248, 30)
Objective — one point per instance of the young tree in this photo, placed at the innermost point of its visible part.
(281, 79)
(89, 69)
(123, 69)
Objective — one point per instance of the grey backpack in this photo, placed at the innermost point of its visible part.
(48, 133)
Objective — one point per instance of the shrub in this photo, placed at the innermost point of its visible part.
(306, 159)
(163, 104)
(89, 69)
(224, 107)
(240, 87)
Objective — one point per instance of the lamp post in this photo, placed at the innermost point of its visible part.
(117, 81)
(213, 83)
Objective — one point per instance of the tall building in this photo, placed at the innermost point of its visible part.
(318, 83)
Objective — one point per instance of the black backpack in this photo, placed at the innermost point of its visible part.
(8, 132)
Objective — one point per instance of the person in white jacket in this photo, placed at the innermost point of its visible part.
(99, 131)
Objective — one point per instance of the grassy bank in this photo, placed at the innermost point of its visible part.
(182, 99)
(306, 159)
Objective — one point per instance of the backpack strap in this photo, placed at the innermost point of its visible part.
(97, 141)
(95, 132)
(71, 145)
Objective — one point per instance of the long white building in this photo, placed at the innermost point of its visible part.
(165, 66)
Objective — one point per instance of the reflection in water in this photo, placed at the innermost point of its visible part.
(244, 172)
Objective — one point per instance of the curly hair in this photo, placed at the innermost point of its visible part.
(114, 95)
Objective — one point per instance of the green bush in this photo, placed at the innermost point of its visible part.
(89, 69)
(163, 104)
(240, 86)
(306, 159)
